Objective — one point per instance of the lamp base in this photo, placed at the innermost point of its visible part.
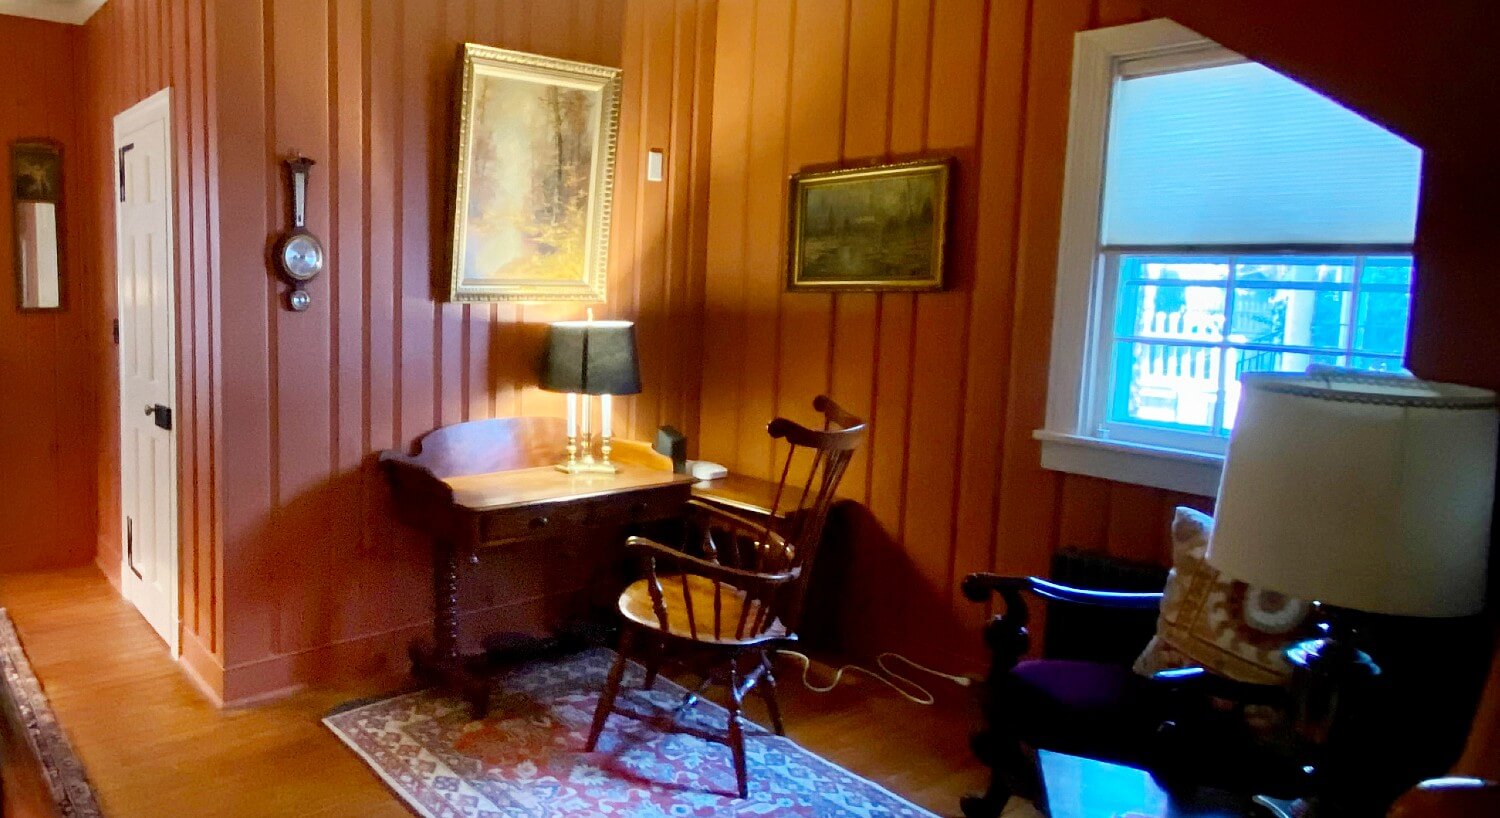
(588, 467)
(1328, 672)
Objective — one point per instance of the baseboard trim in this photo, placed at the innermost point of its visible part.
(109, 565)
(376, 660)
(202, 668)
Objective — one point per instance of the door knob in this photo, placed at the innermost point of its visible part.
(163, 415)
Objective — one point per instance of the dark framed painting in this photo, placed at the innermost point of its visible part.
(875, 228)
(534, 175)
(36, 183)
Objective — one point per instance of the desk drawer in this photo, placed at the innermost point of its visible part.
(563, 519)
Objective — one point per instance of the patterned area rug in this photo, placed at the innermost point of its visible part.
(49, 746)
(526, 758)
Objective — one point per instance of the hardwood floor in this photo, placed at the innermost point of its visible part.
(155, 747)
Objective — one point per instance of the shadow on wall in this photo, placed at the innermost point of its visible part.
(867, 597)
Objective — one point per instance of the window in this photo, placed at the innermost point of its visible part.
(1218, 218)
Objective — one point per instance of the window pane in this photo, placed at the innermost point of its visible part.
(1289, 312)
(1244, 360)
(1311, 312)
(1160, 298)
(1165, 385)
(1238, 154)
(1179, 312)
(1382, 321)
(1391, 365)
(1387, 270)
(1190, 269)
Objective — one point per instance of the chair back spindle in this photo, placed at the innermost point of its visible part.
(760, 569)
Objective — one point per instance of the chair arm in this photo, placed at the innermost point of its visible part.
(725, 516)
(1452, 797)
(1120, 600)
(1201, 682)
(977, 587)
(705, 568)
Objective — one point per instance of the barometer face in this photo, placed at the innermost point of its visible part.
(301, 256)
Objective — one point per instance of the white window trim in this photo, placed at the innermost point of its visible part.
(1067, 442)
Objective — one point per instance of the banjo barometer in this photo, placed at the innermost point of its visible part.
(299, 255)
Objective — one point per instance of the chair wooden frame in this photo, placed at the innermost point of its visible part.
(740, 595)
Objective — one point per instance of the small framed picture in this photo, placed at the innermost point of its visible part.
(876, 228)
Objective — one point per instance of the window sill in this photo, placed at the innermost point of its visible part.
(1160, 467)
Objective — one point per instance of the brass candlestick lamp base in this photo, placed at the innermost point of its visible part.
(586, 464)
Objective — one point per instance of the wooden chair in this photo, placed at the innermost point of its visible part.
(740, 595)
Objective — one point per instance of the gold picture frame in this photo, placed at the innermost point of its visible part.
(533, 175)
(880, 228)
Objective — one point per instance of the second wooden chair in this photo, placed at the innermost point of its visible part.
(733, 592)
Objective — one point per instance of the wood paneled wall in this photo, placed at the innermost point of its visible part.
(135, 48)
(316, 578)
(46, 362)
(953, 383)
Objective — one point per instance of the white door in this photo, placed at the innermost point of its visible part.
(148, 362)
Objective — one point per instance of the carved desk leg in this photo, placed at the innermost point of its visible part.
(444, 665)
(445, 601)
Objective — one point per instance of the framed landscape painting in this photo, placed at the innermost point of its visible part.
(877, 228)
(535, 164)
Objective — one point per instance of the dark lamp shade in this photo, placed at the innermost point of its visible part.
(592, 358)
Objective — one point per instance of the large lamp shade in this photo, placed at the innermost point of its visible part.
(591, 358)
(1362, 491)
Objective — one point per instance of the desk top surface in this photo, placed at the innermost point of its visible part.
(744, 493)
(545, 484)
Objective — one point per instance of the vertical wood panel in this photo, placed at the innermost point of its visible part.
(50, 416)
(132, 48)
(940, 322)
(1029, 495)
(866, 129)
(725, 324)
(989, 343)
(889, 415)
(814, 118)
(765, 162)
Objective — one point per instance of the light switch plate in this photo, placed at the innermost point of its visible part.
(654, 162)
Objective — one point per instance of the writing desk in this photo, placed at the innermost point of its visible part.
(743, 494)
(490, 483)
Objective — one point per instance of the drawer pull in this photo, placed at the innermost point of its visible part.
(539, 522)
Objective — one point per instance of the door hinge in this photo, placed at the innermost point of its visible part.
(120, 163)
(114, 331)
(130, 547)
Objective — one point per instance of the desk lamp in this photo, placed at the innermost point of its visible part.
(584, 359)
(1365, 492)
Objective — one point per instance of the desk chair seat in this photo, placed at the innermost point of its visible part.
(689, 601)
(733, 589)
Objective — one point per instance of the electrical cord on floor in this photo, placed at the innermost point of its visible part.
(904, 686)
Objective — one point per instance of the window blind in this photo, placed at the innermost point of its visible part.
(1238, 154)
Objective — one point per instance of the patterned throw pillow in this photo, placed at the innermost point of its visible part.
(1223, 625)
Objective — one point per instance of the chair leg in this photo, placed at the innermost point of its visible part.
(611, 690)
(767, 687)
(736, 731)
(653, 662)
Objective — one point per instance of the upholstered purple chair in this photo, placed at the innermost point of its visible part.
(1185, 726)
